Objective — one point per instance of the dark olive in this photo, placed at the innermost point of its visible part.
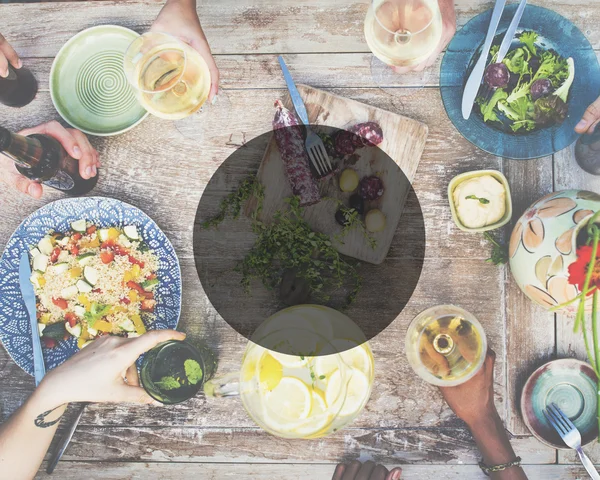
(341, 218)
(357, 203)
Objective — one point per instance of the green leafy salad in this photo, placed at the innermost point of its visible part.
(528, 88)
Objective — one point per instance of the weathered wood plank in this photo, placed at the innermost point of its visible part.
(281, 471)
(234, 28)
(529, 330)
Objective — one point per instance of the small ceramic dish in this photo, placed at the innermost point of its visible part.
(571, 385)
(88, 84)
(479, 173)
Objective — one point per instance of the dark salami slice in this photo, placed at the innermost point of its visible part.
(371, 188)
(345, 143)
(290, 141)
(368, 133)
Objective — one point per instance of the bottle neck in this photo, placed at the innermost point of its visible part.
(27, 152)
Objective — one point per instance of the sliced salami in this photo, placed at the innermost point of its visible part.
(369, 133)
(290, 141)
(345, 143)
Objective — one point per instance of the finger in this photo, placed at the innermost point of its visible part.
(60, 133)
(136, 346)
(378, 473)
(339, 471)
(365, 471)
(590, 117)
(87, 160)
(8, 52)
(131, 394)
(132, 376)
(395, 474)
(24, 185)
(351, 470)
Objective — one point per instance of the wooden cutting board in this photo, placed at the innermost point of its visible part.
(403, 142)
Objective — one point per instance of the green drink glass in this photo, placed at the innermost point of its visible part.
(174, 371)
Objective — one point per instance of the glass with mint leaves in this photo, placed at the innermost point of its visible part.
(174, 371)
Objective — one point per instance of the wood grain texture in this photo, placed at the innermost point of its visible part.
(155, 168)
(395, 161)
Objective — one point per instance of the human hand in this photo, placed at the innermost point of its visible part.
(104, 371)
(474, 399)
(356, 470)
(8, 55)
(448, 31)
(179, 18)
(590, 119)
(74, 142)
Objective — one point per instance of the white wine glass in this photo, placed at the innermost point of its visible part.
(172, 81)
(402, 33)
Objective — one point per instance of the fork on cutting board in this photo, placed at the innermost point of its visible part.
(314, 145)
(570, 435)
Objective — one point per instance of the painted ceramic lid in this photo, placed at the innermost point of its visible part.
(88, 84)
(571, 385)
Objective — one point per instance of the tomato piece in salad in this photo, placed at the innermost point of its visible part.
(60, 303)
(107, 257)
(49, 342)
(91, 229)
(55, 254)
(71, 318)
(135, 261)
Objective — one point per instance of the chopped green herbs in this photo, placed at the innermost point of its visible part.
(353, 220)
(482, 200)
(168, 383)
(499, 252)
(193, 371)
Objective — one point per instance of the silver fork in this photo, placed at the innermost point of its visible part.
(314, 145)
(570, 435)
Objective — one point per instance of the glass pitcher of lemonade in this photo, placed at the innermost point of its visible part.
(307, 372)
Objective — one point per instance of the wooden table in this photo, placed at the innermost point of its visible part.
(154, 167)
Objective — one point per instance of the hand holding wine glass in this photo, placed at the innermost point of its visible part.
(179, 19)
(448, 30)
(73, 141)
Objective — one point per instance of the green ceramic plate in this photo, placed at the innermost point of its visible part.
(88, 85)
(571, 385)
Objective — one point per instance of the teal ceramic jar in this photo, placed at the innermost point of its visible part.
(543, 244)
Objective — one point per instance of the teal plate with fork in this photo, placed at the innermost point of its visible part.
(571, 385)
(88, 84)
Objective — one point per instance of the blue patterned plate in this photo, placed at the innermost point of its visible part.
(103, 212)
(555, 32)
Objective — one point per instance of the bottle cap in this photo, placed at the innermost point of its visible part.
(5, 138)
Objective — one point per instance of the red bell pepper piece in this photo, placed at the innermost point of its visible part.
(71, 318)
(54, 255)
(60, 303)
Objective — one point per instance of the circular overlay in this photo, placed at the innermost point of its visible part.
(101, 86)
(269, 264)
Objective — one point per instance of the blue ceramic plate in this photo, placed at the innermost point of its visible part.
(571, 385)
(555, 32)
(104, 212)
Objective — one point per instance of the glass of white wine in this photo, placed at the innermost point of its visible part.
(402, 33)
(171, 80)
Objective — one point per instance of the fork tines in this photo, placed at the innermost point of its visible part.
(320, 159)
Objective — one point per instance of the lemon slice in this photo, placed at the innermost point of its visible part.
(270, 372)
(357, 391)
(318, 420)
(354, 356)
(290, 361)
(290, 399)
(326, 365)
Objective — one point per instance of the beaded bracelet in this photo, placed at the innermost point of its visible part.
(498, 468)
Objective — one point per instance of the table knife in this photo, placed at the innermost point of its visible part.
(39, 370)
(474, 80)
(510, 32)
(65, 439)
(294, 94)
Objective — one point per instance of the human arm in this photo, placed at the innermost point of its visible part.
(590, 118)
(369, 470)
(473, 402)
(74, 142)
(448, 30)
(8, 55)
(179, 18)
(95, 374)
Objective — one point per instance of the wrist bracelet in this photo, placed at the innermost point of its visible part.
(498, 468)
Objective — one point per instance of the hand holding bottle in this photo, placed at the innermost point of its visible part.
(7, 55)
(73, 141)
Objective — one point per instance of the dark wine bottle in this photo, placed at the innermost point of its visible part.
(43, 159)
(18, 88)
